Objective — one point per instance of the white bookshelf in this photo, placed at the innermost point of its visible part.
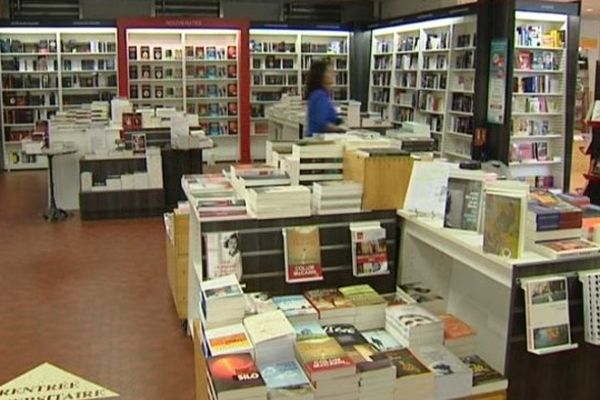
(45, 70)
(538, 99)
(192, 70)
(414, 76)
(279, 61)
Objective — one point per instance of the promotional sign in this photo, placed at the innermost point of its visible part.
(497, 81)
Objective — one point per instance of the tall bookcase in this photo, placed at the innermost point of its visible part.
(538, 118)
(199, 66)
(425, 72)
(45, 70)
(280, 59)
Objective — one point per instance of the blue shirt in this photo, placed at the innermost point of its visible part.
(321, 112)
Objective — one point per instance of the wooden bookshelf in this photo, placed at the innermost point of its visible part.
(279, 61)
(420, 71)
(538, 125)
(45, 70)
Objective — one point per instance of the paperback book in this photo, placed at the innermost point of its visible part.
(369, 249)
(223, 254)
(302, 254)
(235, 377)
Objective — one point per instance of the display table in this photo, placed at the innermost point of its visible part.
(484, 290)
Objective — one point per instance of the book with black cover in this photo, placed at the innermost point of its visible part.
(235, 373)
(345, 334)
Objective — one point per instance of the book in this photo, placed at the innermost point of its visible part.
(504, 223)
(464, 204)
(405, 362)
(199, 52)
(330, 303)
(560, 248)
(427, 190)
(324, 359)
(232, 90)
(229, 339)
(138, 142)
(344, 334)
(418, 292)
(369, 249)
(272, 335)
(309, 330)
(302, 254)
(381, 340)
(286, 380)
(223, 256)
(296, 307)
(370, 306)
(231, 52)
(234, 377)
(145, 52)
(211, 53)
(547, 314)
(485, 378)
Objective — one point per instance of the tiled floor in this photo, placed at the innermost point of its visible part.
(89, 297)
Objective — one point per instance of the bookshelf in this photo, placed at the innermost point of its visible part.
(425, 72)
(46, 70)
(538, 126)
(191, 70)
(280, 59)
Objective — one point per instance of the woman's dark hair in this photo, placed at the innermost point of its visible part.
(314, 79)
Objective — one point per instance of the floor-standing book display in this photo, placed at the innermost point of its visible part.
(193, 65)
(425, 72)
(49, 69)
(280, 58)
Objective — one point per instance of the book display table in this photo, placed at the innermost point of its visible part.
(485, 290)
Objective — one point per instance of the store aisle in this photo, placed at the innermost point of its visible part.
(91, 298)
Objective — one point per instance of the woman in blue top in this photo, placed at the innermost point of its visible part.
(321, 114)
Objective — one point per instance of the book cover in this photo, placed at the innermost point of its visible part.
(369, 250)
(199, 52)
(138, 142)
(294, 305)
(232, 90)
(145, 52)
(410, 316)
(320, 355)
(362, 295)
(502, 233)
(258, 303)
(157, 53)
(268, 326)
(286, 375)
(302, 251)
(146, 91)
(441, 361)
(234, 372)
(381, 340)
(232, 127)
(344, 334)
(231, 52)
(327, 299)
(309, 330)
(189, 52)
(405, 362)
(227, 340)
(211, 71)
(211, 53)
(569, 245)
(232, 109)
(482, 372)
(146, 72)
(132, 52)
(225, 286)
(133, 72)
(232, 71)
(463, 204)
(524, 60)
(223, 254)
(455, 328)
(158, 72)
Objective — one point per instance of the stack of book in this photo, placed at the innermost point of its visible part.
(413, 379)
(380, 340)
(279, 202)
(228, 339)
(370, 306)
(419, 293)
(214, 196)
(459, 337)
(414, 326)
(296, 308)
(235, 377)
(336, 197)
(485, 378)
(331, 371)
(251, 175)
(375, 377)
(332, 306)
(453, 379)
(287, 381)
(222, 302)
(273, 337)
(314, 161)
(275, 149)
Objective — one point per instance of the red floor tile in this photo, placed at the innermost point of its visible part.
(89, 297)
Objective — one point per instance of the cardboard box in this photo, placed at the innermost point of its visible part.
(384, 178)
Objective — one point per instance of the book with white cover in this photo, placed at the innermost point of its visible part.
(547, 314)
(369, 249)
(428, 190)
(453, 379)
(223, 254)
(228, 339)
(268, 326)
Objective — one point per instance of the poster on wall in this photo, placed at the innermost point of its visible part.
(497, 81)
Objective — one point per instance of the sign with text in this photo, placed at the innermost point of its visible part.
(47, 382)
(497, 82)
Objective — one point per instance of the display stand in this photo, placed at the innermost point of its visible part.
(46, 69)
(200, 66)
(484, 290)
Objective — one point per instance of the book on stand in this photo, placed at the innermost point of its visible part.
(223, 255)
(369, 249)
(302, 254)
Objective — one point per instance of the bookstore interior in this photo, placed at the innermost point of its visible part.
(446, 246)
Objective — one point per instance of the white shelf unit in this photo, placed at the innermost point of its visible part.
(538, 99)
(279, 60)
(192, 70)
(45, 70)
(417, 70)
